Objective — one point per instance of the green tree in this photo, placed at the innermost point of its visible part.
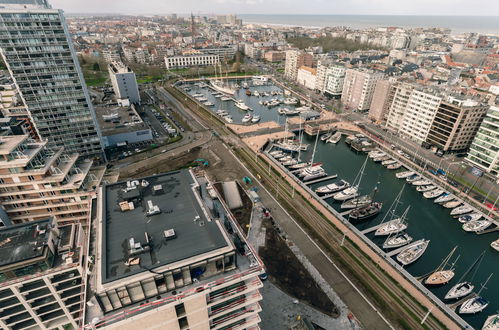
(96, 66)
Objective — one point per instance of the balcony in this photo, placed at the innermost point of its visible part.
(223, 294)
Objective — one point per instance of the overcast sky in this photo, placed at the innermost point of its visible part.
(359, 7)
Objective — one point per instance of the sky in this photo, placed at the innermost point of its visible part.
(323, 7)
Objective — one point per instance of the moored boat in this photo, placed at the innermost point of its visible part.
(404, 175)
(335, 138)
(452, 204)
(388, 162)
(333, 187)
(413, 178)
(348, 193)
(366, 212)
(298, 166)
(247, 118)
(460, 290)
(255, 119)
(441, 277)
(426, 188)
(412, 252)
(477, 225)
(228, 119)
(240, 104)
(473, 305)
(446, 197)
(391, 227)
(398, 240)
(495, 245)
(395, 166)
(470, 217)
(491, 323)
(463, 209)
(433, 193)
(422, 182)
(356, 202)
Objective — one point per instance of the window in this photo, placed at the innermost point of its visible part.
(183, 323)
(180, 309)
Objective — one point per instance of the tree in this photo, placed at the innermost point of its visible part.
(236, 67)
(96, 66)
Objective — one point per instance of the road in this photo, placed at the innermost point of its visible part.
(355, 262)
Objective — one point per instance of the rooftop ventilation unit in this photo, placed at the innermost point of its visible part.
(157, 189)
(170, 234)
(135, 248)
(152, 209)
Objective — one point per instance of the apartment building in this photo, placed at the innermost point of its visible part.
(186, 61)
(124, 82)
(484, 151)
(320, 81)
(421, 110)
(384, 93)
(42, 275)
(307, 77)
(225, 53)
(294, 60)
(358, 88)
(36, 46)
(398, 106)
(456, 123)
(171, 255)
(333, 84)
(38, 181)
(274, 56)
(111, 55)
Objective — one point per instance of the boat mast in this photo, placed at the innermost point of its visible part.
(315, 146)
(484, 284)
(391, 210)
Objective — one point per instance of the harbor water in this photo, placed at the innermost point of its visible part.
(426, 219)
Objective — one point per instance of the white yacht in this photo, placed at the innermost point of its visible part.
(240, 104)
(255, 119)
(333, 187)
(433, 193)
(412, 252)
(225, 98)
(404, 175)
(398, 240)
(470, 217)
(395, 166)
(388, 162)
(228, 119)
(426, 188)
(247, 118)
(335, 138)
(413, 178)
(446, 197)
(422, 182)
(312, 172)
(348, 193)
(463, 209)
(491, 323)
(290, 101)
(391, 227)
(495, 245)
(477, 225)
(460, 290)
(290, 162)
(375, 154)
(256, 93)
(208, 104)
(452, 204)
(473, 305)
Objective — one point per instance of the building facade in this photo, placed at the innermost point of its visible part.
(358, 89)
(398, 106)
(307, 77)
(456, 124)
(421, 110)
(124, 82)
(294, 60)
(37, 49)
(333, 84)
(38, 181)
(42, 276)
(484, 151)
(382, 100)
(186, 61)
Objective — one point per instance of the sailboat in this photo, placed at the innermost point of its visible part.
(356, 202)
(335, 138)
(491, 323)
(397, 240)
(476, 304)
(352, 191)
(404, 175)
(442, 275)
(314, 171)
(394, 225)
(412, 252)
(220, 85)
(464, 287)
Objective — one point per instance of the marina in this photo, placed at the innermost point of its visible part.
(429, 224)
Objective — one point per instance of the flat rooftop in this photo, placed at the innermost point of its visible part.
(180, 209)
(115, 120)
(23, 242)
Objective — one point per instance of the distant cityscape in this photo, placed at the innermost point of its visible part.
(176, 172)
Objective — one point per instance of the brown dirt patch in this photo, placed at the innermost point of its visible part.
(288, 273)
(242, 214)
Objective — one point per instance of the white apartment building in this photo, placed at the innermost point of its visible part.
(38, 181)
(398, 106)
(335, 76)
(382, 100)
(42, 276)
(358, 88)
(307, 77)
(422, 107)
(37, 48)
(484, 151)
(189, 268)
(124, 82)
(320, 81)
(111, 55)
(186, 61)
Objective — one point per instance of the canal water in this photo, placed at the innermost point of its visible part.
(425, 220)
(266, 113)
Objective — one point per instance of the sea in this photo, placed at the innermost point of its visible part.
(457, 24)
